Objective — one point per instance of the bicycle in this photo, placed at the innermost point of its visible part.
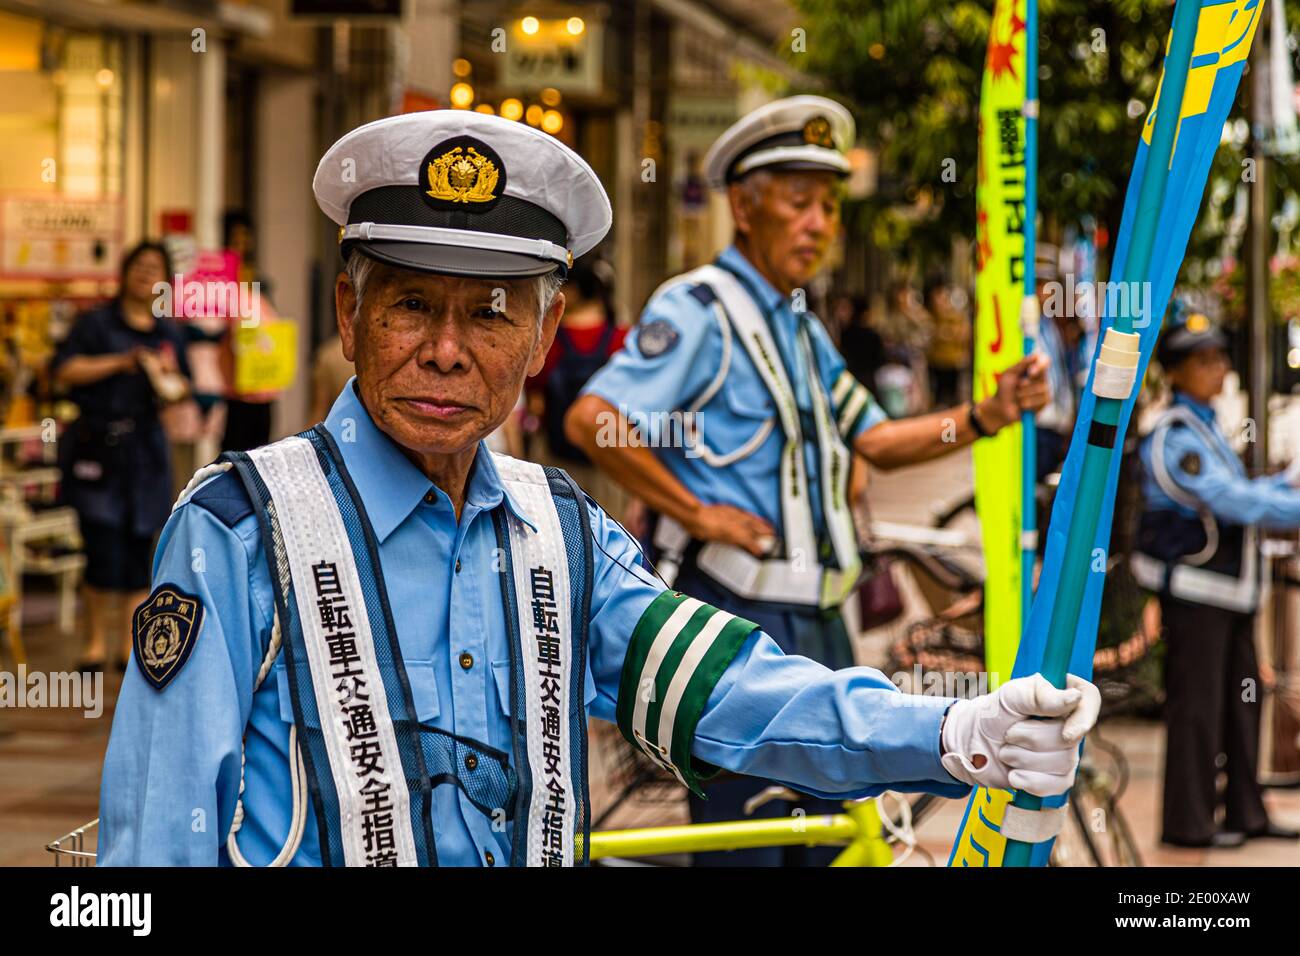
(861, 829)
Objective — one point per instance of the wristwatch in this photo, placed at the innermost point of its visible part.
(975, 424)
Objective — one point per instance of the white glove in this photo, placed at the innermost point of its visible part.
(990, 741)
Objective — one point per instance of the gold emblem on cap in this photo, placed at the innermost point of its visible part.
(341, 231)
(1197, 323)
(817, 132)
(463, 175)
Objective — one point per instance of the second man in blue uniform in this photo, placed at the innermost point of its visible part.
(751, 416)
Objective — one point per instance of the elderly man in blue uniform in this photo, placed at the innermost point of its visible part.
(1198, 549)
(752, 493)
(377, 643)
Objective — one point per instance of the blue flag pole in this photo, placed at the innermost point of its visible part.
(1104, 424)
(1029, 321)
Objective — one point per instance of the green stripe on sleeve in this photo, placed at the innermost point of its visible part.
(649, 630)
(668, 667)
(696, 697)
(852, 430)
(643, 636)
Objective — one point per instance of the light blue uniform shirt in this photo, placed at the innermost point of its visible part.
(171, 775)
(1224, 489)
(672, 379)
(1066, 371)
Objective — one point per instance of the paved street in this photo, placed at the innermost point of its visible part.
(50, 759)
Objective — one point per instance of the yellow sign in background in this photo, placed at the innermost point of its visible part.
(266, 356)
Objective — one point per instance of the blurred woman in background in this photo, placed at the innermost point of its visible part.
(120, 363)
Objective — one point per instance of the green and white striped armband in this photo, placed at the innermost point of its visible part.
(678, 652)
(851, 401)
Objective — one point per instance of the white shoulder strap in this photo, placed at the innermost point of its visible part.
(319, 555)
(1171, 416)
(297, 769)
(756, 337)
(540, 565)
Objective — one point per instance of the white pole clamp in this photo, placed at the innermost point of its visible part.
(1032, 826)
(1117, 365)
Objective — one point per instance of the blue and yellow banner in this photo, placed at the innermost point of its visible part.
(1224, 31)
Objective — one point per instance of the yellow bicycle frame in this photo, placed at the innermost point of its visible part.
(858, 827)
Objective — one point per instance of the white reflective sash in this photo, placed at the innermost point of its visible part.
(800, 579)
(541, 575)
(754, 334)
(1200, 586)
(835, 462)
(320, 560)
(1187, 581)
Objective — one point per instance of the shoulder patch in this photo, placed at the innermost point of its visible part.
(225, 497)
(164, 630)
(656, 338)
(1190, 463)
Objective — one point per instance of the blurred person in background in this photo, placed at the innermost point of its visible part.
(906, 328)
(861, 345)
(248, 415)
(950, 348)
(1061, 339)
(330, 371)
(1198, 549)
(120, 363)
(587, 337)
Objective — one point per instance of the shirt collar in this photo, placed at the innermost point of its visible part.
(388, 483)
(769, 298)
(1202, 411)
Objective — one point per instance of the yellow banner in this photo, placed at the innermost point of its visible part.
(999, 287)
(266, 356)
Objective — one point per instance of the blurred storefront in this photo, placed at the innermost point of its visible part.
(132, 118)
(145, 119)
(640, 88)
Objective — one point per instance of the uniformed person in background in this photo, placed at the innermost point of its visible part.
(1198, 549)
(1061, 338)
(747, 419)
(376, 643)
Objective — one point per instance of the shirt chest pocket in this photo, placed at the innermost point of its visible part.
(745, 396)
(737, 422)
(424, 691)
(501, 675)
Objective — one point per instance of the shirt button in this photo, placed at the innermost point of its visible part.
(428, 498)
(491, 860)
(458, 565)
(466, 660)
(471, 762)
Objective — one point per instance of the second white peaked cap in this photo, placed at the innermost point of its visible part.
(461, 193)
(798, 132)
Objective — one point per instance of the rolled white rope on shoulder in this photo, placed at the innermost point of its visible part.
(200, 476)
(1117, 365)
(297, 769)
